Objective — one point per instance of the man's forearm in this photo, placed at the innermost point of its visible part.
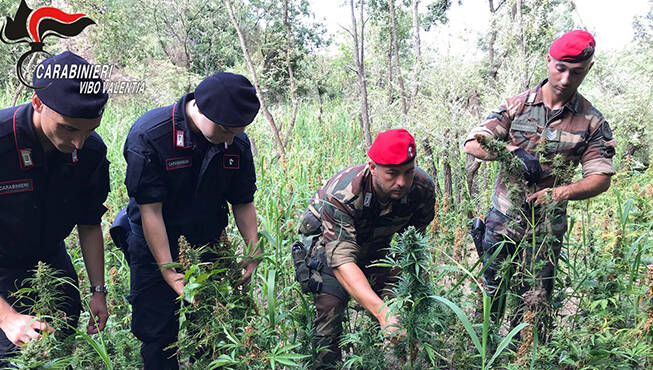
(156, 236)
(92, 244)
(245, 217)
(355, 283)
(5, 312)
(586, 188)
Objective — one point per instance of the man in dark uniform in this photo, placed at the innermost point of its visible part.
(53, 175)
(350, 223)
(545, 127)
(184, 163)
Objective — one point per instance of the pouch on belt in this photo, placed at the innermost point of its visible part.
(120, 231)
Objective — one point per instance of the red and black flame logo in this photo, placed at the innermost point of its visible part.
(33, 26)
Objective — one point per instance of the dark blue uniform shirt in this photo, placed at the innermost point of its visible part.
(193, 178)
(43, 195)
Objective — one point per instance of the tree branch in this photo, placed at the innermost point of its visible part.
(268, 116)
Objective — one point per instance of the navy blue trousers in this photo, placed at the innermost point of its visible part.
(154, 307)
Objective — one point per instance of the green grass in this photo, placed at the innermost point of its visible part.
(600, 298)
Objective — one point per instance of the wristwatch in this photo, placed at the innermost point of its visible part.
(99, 288)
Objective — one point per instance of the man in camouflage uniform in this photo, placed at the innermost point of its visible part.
(545, 127)
(350, 223)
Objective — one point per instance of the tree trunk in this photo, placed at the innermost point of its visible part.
(393, 36)
(418, 54)
(457, 186)
(494, 69)
(320, 102)
(446, 173)
(458, 176)
(291, 75)
(428, 152)
(491, 40)
(21, 87)
(359, 59)
(268, 116)
(522, 46)
(252, 146)
(388, 65)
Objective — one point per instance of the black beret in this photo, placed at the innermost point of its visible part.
(59, 80)
(227, 99)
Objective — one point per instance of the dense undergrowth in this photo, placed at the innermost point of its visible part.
(602, 305)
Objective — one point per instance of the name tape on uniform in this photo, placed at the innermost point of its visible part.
(179, 162)
(16, 186)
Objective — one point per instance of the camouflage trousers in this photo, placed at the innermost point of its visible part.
(331, 297)
(527, 247)
(330, 313)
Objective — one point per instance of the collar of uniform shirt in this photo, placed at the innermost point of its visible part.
(572, 104)
(25, 135)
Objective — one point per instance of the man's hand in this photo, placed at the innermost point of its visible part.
(177, 282)
(20, 329)
(245, 217)
(249, 267)
(391, 326)
(546, 195)
(99, 313)
(355, 283)
(532, 168)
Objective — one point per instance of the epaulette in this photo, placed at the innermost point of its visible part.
(243, 140)
(156, 122)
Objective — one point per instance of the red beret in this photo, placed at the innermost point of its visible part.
(574, 46)
(392, 147)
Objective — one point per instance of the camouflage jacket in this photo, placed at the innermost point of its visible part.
(577, 131)
(356, 227)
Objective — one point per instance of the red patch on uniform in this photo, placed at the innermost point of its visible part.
(231, 161)
(16, 186)
(178, 163)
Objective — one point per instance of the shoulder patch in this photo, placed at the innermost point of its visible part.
(607, 151)
(607, 132)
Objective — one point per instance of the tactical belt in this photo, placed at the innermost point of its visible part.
(304, 267)
(330, 285)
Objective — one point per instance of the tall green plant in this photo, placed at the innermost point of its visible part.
(421, 319)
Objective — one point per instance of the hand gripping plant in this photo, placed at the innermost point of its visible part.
(42, 292)
(421, 318)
